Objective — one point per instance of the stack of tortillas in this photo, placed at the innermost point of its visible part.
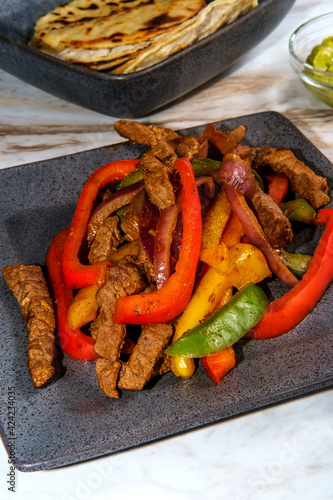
(124, 36)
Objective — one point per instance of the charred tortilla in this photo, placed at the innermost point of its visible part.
(123, 36)
(203, 24)
(97, 24)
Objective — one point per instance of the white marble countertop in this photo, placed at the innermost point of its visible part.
(283, 452)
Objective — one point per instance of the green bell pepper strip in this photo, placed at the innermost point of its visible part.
(131, 178)
(299, 210)
(201, 166)
(225, 327)
(297, 263)
(258, 179)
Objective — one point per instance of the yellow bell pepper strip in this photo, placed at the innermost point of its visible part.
(169, 301)
(246, 264)
(83, 308)
(215, 220)
(219, 364)
(288, 311)
(224, 299)
(75, 274)
(217, 257)
(233, 231)
(225, 327)
(180, 365)
(74, 343)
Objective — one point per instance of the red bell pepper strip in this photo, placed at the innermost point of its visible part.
(277, 186)
(288, 311)
(219, 364)
(169, 301)
(75, 274)
(74, 343)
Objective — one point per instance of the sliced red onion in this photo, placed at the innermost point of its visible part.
(117, 200)
(209, 185)
(256, 235)
(148, 222)
(163, 241)
(203, 149)
(236, 172)
(177, 237)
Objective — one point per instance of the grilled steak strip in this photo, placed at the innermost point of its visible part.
(157, 182)
(140, 133)
(29, 287)
(108, 238)
(146, 355)
(150, 135)
(142, 260)
(107, 372)
(121, 279)
(275, 224)
(130, 224)
(237, 134)
(162, 148)
(188, 148)
(304, 181)
(162, 366)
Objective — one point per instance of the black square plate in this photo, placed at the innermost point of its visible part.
(135, 94)
(71, 419)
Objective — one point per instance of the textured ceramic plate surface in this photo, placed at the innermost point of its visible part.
(71, 419)
(138, 93)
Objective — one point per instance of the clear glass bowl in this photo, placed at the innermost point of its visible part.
(301, 43)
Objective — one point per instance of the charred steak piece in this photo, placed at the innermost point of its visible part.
(188, 148)
(275, 224)
(157, 182)
(162, 148)
(140, 133)
(304, 181)
(130, 224)
(142, 260)
(29, 287)
(108, 238)
(150, 134)
(107, 372)
(121, 279)
(147, 354)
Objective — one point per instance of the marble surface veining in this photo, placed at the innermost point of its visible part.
(284, 452)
